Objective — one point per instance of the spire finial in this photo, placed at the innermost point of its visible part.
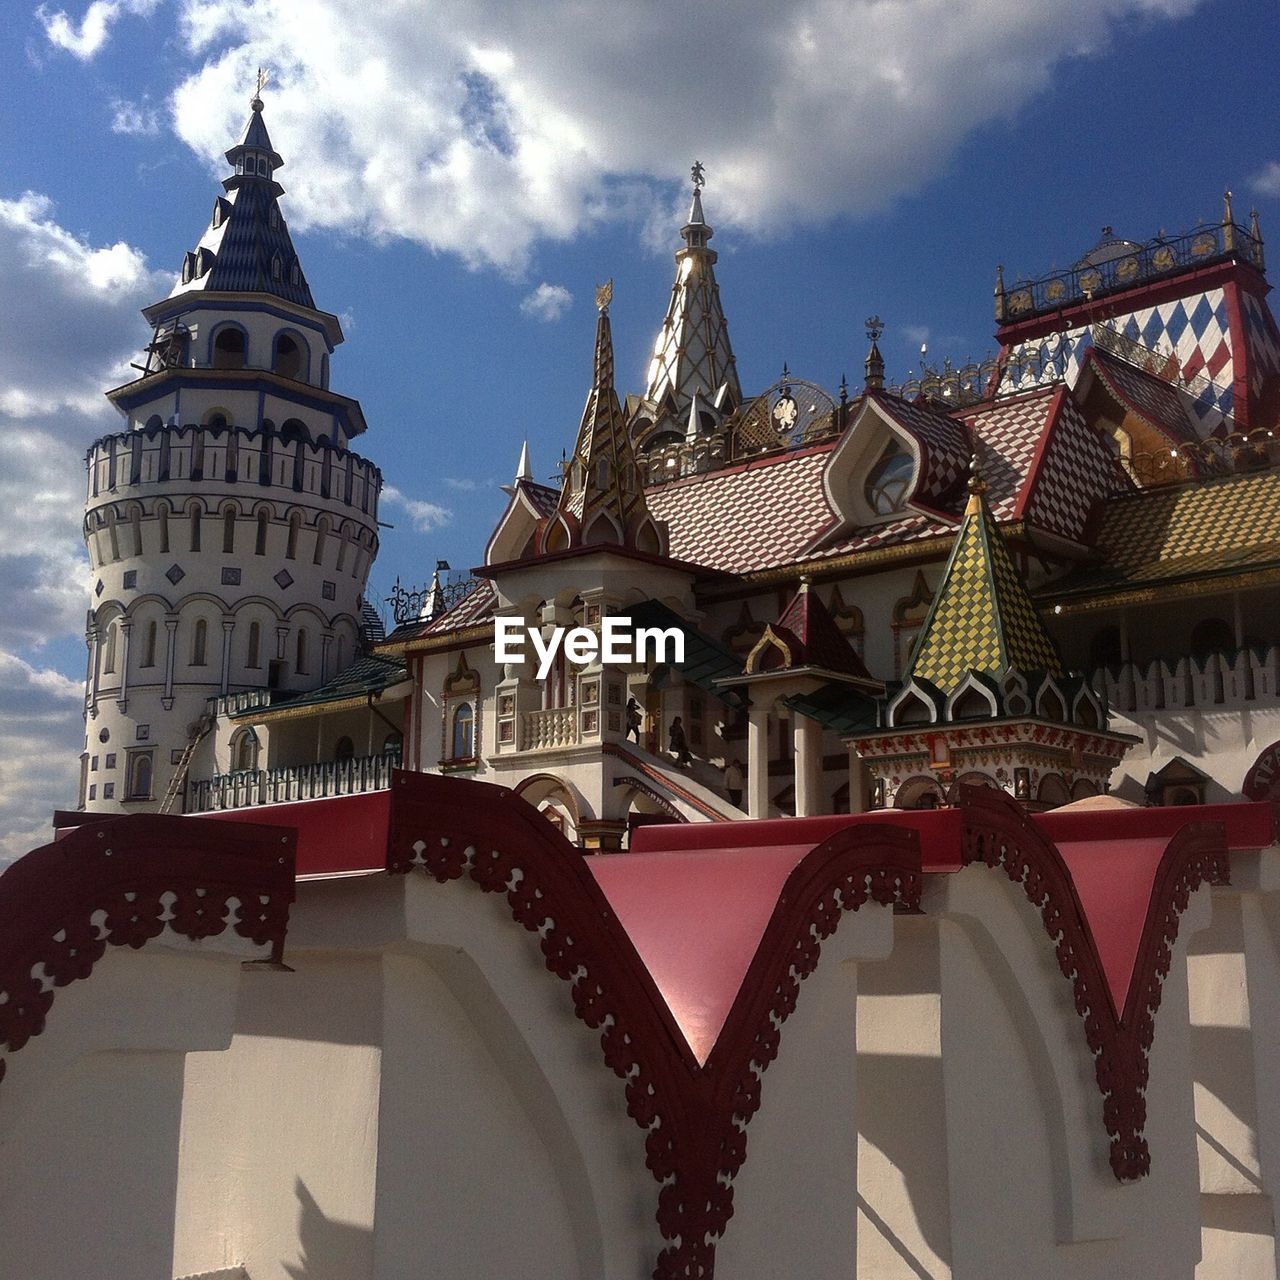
(977, 485)
(1227, 216)
(256, 101)
(604, 295)
(523, 470)
(699, 173)
(873, 366)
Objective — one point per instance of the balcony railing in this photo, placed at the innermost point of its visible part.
(1164, 256)
(249, 787)
(555, 727)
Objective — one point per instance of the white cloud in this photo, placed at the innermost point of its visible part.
(86, 38)
(467, 486)
(467, 128)
(547, 302)
(136, 118)
(68, 329)
(1267, 179)
(41, 734)
(916, 334)
(425, 516)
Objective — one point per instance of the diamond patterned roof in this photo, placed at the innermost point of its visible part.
(983, 618)
(1152, 398)
(692, 354)
(814, 638)
(1228, 524)
(944, 443)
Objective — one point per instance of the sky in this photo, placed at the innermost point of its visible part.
(460, 174)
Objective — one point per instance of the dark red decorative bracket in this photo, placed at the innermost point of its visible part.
(997, 832)
(121, 882)
(695, 1117)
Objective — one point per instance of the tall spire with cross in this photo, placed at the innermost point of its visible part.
(693, 354)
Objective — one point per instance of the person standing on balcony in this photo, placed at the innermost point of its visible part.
(635, 718)
(679, 743)
(733, 782)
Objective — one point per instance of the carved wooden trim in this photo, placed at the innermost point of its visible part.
(998, 833)
(694, 1117)
(121, 882)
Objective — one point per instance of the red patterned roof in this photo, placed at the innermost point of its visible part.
(945, 449)
(1159, 402)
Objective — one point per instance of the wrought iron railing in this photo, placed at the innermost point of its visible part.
(439, 596)
(248, 787)
(951, 387)
(1163, 256)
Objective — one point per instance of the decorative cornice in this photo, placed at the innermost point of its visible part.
(104, 884)
(694, 1117)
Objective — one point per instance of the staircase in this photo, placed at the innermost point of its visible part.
(196, 733)
(687, 790)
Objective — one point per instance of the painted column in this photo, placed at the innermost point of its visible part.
(95, 667)
(857, 782)
(126, 628)
(807, 736)
(326, 642)
(228, 624)
(170, 656)
(758, 761)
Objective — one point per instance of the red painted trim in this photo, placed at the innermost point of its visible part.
(1238, 337)
(694, 1117)
(637, 762)
(999, 834)
(1032, 480)
(124, 866)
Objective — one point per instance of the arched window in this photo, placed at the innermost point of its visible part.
(162, 515)
(229, 348)
(195, 528)
(344, 749)
(114, 534)
(342, 548)
(149, 646)
(291, 545)
(135, 520)
(200, 643)
(300, 665)
(463, 732)
(1211, 635)
(253, 659)
(889, 481)
(140, 776)
(244, 751)
(260, 545)
(322, 529)
(288, 356)
(154, 423)
(229, 530)
(1104, 648)
(109, 656)
(393, 744)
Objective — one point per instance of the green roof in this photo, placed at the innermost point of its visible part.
(838, 707)
(705, 660)
(366, 676)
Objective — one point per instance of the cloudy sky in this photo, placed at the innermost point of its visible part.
(461, 173)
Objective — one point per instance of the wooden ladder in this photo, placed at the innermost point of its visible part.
(177, 782)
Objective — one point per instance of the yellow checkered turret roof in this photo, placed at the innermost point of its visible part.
(983, 618)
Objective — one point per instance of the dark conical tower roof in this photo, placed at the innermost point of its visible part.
(246, 247)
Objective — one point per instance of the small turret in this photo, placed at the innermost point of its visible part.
(873, 366)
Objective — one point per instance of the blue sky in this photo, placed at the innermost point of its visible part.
(445, 160)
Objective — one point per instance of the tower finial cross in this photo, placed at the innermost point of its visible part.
(263, 77)
(699, 174)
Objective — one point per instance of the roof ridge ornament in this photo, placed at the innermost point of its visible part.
(255, 102)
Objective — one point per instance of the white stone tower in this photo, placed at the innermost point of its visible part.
(229, 527)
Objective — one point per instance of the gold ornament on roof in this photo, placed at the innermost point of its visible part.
(261, 83)
(699, 174)
(604, 295)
